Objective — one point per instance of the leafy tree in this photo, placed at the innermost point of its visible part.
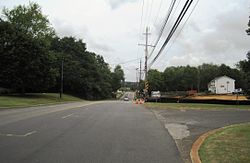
(245, 68)
(24, 62)
(30, 20)
(207, 72)
(180, 78)
(248, 30)
(85, 74)
(31, 56)
(117, 78)
(155, 79)
(24, 58)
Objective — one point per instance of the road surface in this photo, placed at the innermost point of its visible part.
(130, 96)
(108, 132)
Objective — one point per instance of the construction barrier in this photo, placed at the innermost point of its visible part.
(139, 101)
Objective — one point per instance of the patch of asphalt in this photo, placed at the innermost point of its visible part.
(178, 131)
(185, 126)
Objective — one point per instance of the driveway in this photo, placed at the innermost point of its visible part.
(185, 126)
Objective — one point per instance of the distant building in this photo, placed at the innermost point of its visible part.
(222, 85)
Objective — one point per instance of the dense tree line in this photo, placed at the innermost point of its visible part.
(31, 57)
(185, 78)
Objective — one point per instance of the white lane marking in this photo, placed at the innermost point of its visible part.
(16, 135)
(30, 133)
(67, 116)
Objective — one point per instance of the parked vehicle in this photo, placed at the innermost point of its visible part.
(126, 98)
(156, 94)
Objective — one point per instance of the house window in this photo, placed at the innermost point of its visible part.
(222, 86)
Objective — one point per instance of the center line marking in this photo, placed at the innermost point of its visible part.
(17, 135)
(67, 116)
(30, 133)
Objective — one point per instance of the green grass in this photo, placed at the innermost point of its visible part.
(193, 106)
(32, 99)
(229, 145)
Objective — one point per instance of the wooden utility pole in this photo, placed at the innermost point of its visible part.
(146, 54)
(140, 73)
(61, 85)
(146, 59)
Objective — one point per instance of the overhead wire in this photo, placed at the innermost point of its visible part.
(140, 28)
(176, 24)
(128, 61)
(163, 26)
(177, 35)
(150, 13)
(158, 13)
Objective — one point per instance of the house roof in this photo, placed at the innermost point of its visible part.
(221, 77)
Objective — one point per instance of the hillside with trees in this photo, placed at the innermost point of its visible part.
(32, 55)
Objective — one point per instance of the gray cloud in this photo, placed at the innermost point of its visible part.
(116, 3)
(100, 47)
(64, 29)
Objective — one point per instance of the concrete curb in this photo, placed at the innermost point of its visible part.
(194, 154)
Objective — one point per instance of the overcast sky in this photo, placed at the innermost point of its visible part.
(215, 32)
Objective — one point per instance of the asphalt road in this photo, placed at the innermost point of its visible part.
(118, 132)
(130, 96)
(185, 126)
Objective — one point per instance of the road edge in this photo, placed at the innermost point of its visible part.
(162, 120)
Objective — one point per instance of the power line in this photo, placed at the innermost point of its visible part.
(146, 13)
(157, 14)
(163, 26)
(177, 22)
(128, 61)
(150, 12)
(184, 24)
(140, 29)
(141, 17)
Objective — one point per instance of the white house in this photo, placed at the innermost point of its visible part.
(222, 85)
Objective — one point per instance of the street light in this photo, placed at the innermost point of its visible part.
(61, 87)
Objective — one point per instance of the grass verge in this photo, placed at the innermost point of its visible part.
(193, 106)
(228, 145)
(33, 99)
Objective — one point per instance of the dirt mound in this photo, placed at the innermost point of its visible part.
(219, 97)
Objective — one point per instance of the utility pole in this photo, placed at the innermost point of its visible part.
(146, 51)
(146, 58)
(61, 89)
(140, 73)
(146, 54)
(136, 76)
